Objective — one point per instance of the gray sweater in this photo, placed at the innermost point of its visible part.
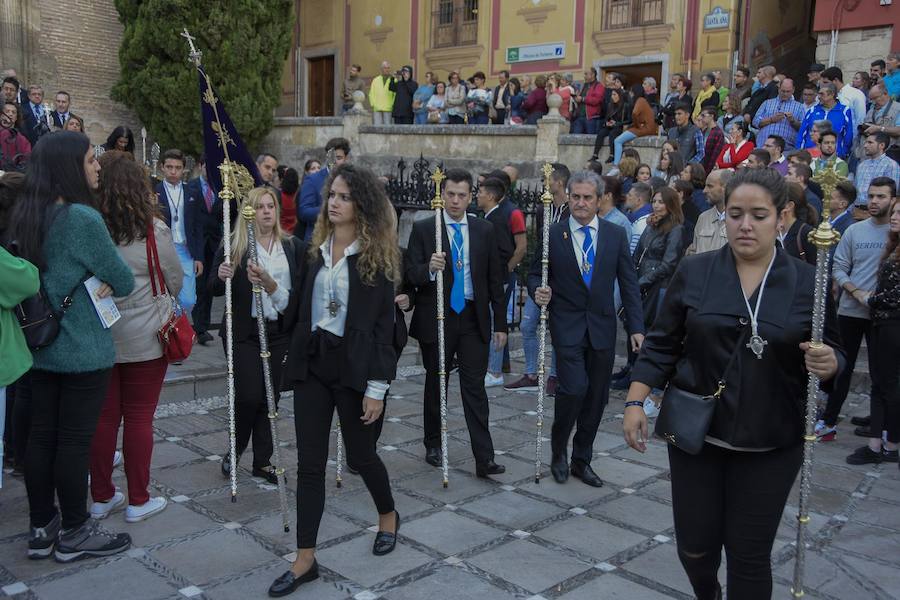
(856, 260)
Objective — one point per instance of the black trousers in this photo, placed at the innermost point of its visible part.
(403, 120)
(852, 331)
(21, 419)
(200, 314)
(602, 133)
(581, 397)
(462, 337)
(725, 498)
(885, 368)
(314, 403)
(251, 411)
(64, 412)
(500, 119)
(456, 120)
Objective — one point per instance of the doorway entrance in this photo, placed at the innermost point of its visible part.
(635, 73)
(320, 76)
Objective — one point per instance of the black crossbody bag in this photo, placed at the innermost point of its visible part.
(684, 417)
(38, 319)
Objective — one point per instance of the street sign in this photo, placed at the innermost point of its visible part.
(719, 18)
(555, 51)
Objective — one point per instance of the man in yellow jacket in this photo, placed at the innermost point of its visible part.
(381, 98)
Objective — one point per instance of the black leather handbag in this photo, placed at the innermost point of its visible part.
(38, 319)
(684, 417)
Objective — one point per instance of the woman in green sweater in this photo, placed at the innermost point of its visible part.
(57, 228)
(18, 281)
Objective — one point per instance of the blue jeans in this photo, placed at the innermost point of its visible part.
(531, 318)
(625, 136)
(495, 357)
(479, 118)
(580, 125)
(421, 118)
(188, 296)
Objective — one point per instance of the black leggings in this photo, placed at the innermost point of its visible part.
(65, 408)
(602, 133)
(314, 402)
(885, 369)
(733, 499)
(852, 329)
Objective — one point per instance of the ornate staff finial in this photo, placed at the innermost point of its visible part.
(828, 178)
(438, 178)
(547, 196)
(194, 55)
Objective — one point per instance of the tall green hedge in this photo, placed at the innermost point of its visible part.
(244, 45)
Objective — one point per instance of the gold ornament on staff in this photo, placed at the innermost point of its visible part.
(437, 204)
(824, 238)
(546, 199)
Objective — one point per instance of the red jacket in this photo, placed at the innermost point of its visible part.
(593, 102)
(15, 148)
(735, 158)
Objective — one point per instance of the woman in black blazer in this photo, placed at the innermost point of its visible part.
(732, 493)
(342, 354)
(281, 260)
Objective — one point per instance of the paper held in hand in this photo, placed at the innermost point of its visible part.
(106, 307)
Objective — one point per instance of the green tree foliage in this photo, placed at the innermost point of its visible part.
(244, 45)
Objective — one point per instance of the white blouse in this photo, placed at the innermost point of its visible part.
(331, 292)
(276, 265)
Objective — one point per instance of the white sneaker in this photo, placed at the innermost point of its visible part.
(493, 380)
(650, 408)
(101, 510)
(133, 514)
(117, 459)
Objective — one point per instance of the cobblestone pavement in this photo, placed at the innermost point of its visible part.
(505, 538)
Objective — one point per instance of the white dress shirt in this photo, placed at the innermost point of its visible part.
(578, 238)
(333, 284)
(855, 100)
(467, 265)
(276, 264)
(175, 198)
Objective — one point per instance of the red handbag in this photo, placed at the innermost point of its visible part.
(176, 335)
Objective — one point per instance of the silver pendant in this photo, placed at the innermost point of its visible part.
(757, 345)
(175, 217)
(333, 308)
(459, 265)
(586, 267)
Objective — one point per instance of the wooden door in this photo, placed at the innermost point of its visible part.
(321, 87)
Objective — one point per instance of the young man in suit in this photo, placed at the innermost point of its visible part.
(33, 115)
(179, 205)
(311, 189)
(61, 114)
(587, 255)
(209, 214)
(473, 287)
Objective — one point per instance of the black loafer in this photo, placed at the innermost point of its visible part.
(433, 457)
(560, 469)
(864, 431)
(267, 473)
(862, 421)
(288, 583)
(489, 468)
(586, 474)
(385, 541)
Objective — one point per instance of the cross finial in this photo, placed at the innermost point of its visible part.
(548, 170)
(547, 196)
(194, 54)
(437, 177)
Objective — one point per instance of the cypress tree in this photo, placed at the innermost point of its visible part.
(244, 45)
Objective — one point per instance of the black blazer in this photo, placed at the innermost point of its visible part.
(575, 309)
(242, 292)
(210, 220)
(488, 277)
(704, 317)
(369, 331)
(193, 226)
(57, 119)
(32, 128)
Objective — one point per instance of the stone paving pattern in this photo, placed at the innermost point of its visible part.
(478, 539)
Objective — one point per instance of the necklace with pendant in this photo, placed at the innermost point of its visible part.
(333, 304)
(757, 344)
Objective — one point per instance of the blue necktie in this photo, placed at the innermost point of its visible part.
(587, 268)
(458, 291)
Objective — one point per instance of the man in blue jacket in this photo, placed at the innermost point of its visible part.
(311, 189)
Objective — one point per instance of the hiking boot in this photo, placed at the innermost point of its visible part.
(90, 539)
(42, 539)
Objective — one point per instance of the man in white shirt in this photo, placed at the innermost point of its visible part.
(61, 114)
(639, 210)
(847, 95)
(179, 205)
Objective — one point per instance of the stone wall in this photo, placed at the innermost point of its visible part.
(856, 48)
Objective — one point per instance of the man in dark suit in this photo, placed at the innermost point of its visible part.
(209, 215)
(61, 114)
(587, 255)
(767, 90)
(310, 201)
(473, 287)
(500, 99)
(34, 115)
(179, 205)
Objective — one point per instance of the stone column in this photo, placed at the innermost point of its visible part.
(354, 119)
(549, 128)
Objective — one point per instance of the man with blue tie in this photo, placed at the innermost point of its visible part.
(587, 255)
(473, 288)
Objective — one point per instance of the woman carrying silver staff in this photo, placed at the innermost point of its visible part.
(280, 261)
(731, 342)
(341, 354)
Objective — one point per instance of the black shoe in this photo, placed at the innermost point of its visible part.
(385, 541)
(621, 384)
(623, 372)
(862, 421)
(865, 432)
(560, 469)
(204, 338)
(267, 473)
(352, 470)
(489, 468)
(433, 457)
(89, 539)
(288, 583)
(586, 474)
(593, 158)
(865, 456)
(608, 160)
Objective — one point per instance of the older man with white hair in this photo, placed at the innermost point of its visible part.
(381, 98)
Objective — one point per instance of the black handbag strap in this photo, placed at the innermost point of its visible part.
(720, 385)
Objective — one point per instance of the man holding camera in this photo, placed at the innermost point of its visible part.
(881, 117)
